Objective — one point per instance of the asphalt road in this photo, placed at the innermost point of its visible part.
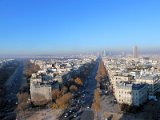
(12, 87)
(88, 88)
(14, 82)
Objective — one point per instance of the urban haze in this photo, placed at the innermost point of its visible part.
(79, 60)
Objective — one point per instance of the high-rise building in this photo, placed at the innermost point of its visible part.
(104, 53)
(123, 54)
(135, 52)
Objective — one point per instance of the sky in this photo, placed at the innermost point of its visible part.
(61, 26)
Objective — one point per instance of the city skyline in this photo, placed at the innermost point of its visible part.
(52, 27)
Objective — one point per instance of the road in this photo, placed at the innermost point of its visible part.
(87, 94)
(12, 87)
(14, 82)
(90, 86)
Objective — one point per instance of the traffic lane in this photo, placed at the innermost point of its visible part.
(87, 103)
(15, 81)
(71, 115)
(88, 88)
(13, 84)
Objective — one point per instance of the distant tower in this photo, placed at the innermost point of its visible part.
(110, 53)
(123, 54)
(135, 52)
(104, 53)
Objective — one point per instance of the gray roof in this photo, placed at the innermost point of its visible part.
(128, 85)
(149, 77)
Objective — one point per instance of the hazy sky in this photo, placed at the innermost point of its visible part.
(50, 26)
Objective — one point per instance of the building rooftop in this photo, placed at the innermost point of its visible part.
(149, 77)
(129, 85)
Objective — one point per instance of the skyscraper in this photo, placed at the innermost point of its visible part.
(135, 52)
(104, 53)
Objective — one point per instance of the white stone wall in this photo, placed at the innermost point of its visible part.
(41, 93)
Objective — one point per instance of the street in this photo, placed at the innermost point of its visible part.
(12, 87)
(81, 105)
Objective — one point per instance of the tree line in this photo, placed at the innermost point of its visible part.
(101, 75)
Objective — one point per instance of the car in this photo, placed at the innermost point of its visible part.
(115, 101)
(66, 115)
(73, 110)
(78, 101)
(78, 118)
(106, 93)
(88, 107)
(73, 105)
(83, 95)
(76, 115)
(82, 101)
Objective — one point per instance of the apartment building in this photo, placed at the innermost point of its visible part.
(153, 82)
(119, 77)
(131, 93)
(40, 93)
